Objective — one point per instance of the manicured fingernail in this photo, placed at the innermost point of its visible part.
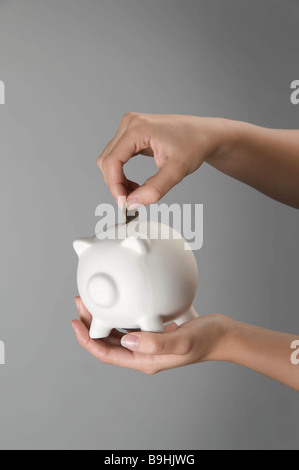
(130, 342)
(121, 201)
(77, 302)
(134, 203)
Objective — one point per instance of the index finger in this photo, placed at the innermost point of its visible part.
(112, 164)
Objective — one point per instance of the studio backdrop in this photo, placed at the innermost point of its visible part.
(71, 69)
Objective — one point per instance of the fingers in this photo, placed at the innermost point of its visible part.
(131, 186)
(112, 164)
(86, 319)
(109, 352)
(105, 351)
(122, 128)
(173, 341)
(112, 354)
(155, 187)
(177, 342)
(83, 313)
(134, 137)
(122, 357)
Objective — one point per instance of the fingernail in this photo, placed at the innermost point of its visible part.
(77, 303)
(134, 203)
(130, 342)
(121, 201)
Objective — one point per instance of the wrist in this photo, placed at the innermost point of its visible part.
(221, 349)
(230, 137)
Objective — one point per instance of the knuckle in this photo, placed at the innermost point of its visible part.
(140, 121)
(136, 120)
(154, 347)
(151, 371)
(100, 163)
(104, 165)
(128, 117)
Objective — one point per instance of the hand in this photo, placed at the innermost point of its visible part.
(179, 145)
(202, 339)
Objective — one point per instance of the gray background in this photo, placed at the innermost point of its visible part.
(72, 69)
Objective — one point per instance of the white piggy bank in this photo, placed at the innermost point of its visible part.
(136, 281)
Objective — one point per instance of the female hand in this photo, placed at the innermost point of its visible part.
(179, 145)
(202, 339)
(266, 159)
(207, 338)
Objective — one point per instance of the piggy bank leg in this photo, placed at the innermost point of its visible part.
(187, 316)
(152, 325)
(98, 330)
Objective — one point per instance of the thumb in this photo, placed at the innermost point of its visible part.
(177, 342)
(155, 187)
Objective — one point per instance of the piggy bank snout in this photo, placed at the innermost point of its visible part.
(102, 290)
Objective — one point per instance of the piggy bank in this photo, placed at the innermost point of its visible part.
(136, 280)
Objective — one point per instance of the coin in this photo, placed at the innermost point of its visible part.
(129, 216)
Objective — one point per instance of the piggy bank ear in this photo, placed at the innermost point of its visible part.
(140, 245)
(81, 245)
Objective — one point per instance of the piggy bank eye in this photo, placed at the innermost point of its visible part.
(102, 290)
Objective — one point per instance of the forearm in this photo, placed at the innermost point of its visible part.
(266, 159)
(265, 351)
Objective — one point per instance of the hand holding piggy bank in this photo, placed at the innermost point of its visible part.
(136, 275)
